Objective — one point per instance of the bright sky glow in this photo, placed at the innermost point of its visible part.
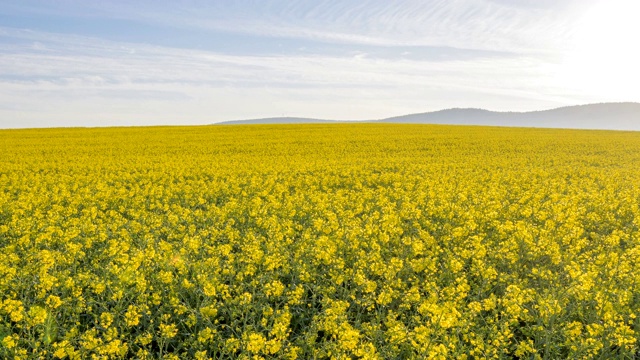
(604, 61)
(107, 63)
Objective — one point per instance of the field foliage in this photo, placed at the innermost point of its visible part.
(343, 241)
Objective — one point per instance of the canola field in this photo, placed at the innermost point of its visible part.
(340, 241)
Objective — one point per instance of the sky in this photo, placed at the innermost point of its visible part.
(122, 63)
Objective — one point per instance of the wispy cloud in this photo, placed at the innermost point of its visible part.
(474, 24)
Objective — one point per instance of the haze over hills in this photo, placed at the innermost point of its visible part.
(610, 116)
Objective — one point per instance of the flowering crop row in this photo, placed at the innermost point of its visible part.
(337, 241)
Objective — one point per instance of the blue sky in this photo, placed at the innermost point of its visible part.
(111, 63)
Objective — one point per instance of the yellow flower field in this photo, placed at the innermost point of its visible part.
(346, 241)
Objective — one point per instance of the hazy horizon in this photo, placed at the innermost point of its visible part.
(116, 63)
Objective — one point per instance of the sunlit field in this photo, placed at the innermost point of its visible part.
(341, 241)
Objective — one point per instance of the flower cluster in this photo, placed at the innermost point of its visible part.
(342, 241)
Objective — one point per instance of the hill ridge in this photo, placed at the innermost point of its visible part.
(606, 116)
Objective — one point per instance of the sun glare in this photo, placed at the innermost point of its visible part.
(605, 56)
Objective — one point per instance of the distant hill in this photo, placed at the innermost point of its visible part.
(612, 116)
(615, 116)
